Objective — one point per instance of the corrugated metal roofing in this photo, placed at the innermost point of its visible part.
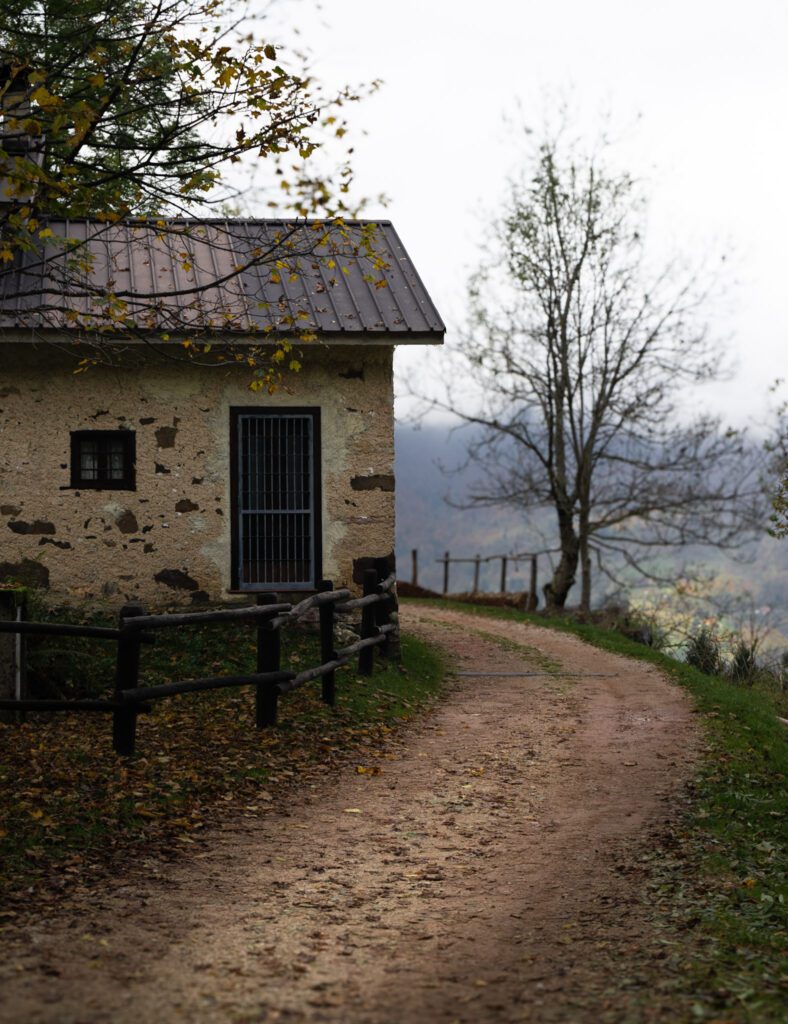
(242, 276)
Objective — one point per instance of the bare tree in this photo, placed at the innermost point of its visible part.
(581, 356)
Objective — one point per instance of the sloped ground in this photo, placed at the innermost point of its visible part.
(484, 868)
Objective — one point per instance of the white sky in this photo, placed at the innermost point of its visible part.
(697, 89)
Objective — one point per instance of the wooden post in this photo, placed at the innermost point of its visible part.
(389, 612)
(269, 657)
(503, 574)
(12, 653)
(476, 575)
(382, 612)
(127, 674)
(533, 600)
(414, 571)
(327, 652)
(446, 573)
(366, 657)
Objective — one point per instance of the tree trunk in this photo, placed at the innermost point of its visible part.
(557, 590)
(585, 569)
(585, 561)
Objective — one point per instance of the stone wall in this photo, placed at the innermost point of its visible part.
(168, 541)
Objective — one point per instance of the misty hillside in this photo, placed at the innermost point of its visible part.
(426, 521)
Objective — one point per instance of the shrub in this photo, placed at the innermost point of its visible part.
(743, 665)
(703, 651)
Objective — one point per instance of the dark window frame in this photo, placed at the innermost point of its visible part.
(128, 482)
(317, 523)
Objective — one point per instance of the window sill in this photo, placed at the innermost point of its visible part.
(99, 487)
(283, 588)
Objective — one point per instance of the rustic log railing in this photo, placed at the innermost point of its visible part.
(270, 681)
(477, 561)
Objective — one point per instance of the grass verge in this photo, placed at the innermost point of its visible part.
(719, 876)
(71, 808)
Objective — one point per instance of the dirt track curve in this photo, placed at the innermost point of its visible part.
(481, 877)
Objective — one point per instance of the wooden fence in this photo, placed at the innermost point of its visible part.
(477, 561)
(136, 629)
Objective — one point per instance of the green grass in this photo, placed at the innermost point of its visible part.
(721, 875)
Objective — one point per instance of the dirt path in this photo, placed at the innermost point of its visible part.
(487, 874)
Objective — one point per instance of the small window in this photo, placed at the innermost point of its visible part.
(103, 459)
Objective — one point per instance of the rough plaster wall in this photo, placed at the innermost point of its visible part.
(90, 545)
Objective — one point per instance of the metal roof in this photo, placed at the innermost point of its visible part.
(217, 276)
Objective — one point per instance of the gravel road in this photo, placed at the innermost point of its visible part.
(487, 874)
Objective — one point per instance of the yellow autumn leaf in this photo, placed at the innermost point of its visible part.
(226, 77)
(44, 98)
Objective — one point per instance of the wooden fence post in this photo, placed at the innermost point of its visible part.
(13, 659)
(327, 652)
(382, 611)
(476, 575)
(269, 657)
(127, 673)
(414, 572)
(366, 656)
(503, 574)
(446, 573)
(533, 599)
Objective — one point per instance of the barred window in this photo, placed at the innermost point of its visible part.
(103, 459)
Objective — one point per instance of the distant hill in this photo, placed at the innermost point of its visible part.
(426, 521)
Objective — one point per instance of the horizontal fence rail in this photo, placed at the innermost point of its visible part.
(269, 616)
(299, 610)
(195, 685)
(25, 627)
(173, 620)
(478, 560)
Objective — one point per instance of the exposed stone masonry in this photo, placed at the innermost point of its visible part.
(168, 541)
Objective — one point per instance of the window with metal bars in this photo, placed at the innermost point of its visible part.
(103, 459)
(276, 514)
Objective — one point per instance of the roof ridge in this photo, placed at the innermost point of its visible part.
(383, 222)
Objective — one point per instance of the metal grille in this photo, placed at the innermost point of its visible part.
(276, 500)
(101, 459)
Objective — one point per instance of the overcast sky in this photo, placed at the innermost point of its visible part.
(698, 93)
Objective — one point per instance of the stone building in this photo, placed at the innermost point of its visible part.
(161, 476)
